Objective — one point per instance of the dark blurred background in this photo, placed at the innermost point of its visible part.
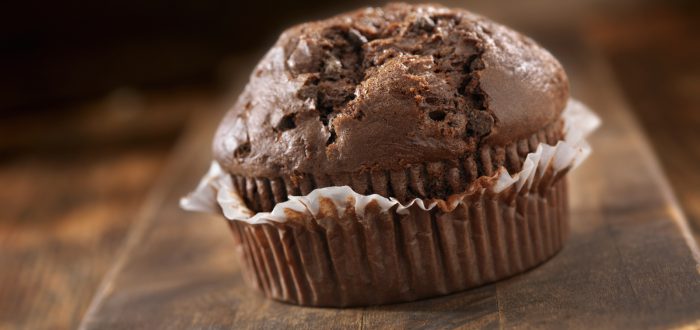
(55, 52)
(94, 96)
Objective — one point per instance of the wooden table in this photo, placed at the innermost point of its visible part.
(70, 193)
(662, 85)
(630, 261)
(107, 246)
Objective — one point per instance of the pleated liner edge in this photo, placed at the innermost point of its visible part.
(379, 257)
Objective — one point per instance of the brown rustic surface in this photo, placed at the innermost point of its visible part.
(629, 261)
(662, 84)
(626, 254)
(69, 195)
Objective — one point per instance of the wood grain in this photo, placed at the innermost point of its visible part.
(629, 261)
(100, 160)
(69, 195)
(56, 247)
(662, 85)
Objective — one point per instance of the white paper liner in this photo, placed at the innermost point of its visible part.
(215, 190)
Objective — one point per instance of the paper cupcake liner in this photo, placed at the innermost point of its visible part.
(433, 179)
(337, 247)
(384, 257)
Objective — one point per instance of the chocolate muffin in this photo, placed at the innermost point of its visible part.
(396, 153)
(402, 101)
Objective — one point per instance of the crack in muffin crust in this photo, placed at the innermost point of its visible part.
(337, 58)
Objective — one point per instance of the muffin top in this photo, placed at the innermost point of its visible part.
(383, 88)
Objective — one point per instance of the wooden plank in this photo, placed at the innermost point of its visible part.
(629, 261)
(55, 247)
(68, 196)
(662, 86)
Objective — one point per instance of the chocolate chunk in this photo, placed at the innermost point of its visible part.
(479, 123)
